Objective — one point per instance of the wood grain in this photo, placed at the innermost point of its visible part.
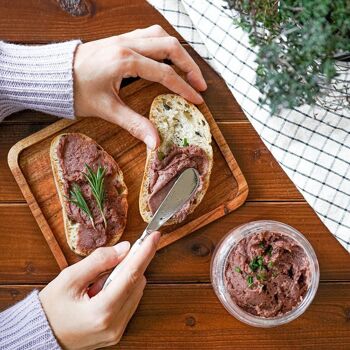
(9, 135)
(26, 258)
(266, 179)
(34, 21)
(30, 164)
(189, 316)
(182, 316)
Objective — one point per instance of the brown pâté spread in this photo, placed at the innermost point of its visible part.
(267, 274)
(74, 153)
(165, 169)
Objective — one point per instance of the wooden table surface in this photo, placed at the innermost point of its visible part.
(179, 309)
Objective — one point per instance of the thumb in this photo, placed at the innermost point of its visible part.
(86, 271)
(137, 125)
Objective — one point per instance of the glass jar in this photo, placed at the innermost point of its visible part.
(219, 261)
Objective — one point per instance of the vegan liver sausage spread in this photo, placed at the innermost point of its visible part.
(74, 154)
(267, 274)
(166, 169)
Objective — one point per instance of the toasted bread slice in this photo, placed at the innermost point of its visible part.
(176, 120)
(71, 227)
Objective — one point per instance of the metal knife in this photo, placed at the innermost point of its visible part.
(182, 190)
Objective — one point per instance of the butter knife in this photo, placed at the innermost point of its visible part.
(182, 190)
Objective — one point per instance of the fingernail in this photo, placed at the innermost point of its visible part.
(150, 142)
(122, 247)
(200, 99)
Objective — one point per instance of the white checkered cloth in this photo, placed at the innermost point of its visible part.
(311, 144)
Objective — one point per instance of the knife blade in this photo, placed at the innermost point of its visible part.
(181, 191)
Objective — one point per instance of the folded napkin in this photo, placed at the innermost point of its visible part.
(310, 143)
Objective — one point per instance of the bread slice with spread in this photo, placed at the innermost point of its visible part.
(185, 143)
(91, 190)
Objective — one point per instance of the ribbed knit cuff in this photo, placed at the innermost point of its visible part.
(25, 326)
(37, 77)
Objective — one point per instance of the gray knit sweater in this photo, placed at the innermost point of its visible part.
(24, 326)
(39, 78)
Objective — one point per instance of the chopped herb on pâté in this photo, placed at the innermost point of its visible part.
(250, 281)
(261, 276)
(257, 263)
(238, 269)
(185, 143)
(268, 250)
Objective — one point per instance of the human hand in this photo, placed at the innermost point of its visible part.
(89, 318)
(100, 66)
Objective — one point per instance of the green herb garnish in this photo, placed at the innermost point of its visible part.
(268, 250)
(96, 182)
(257, 263)
(185, 143)
(161, 155)
(238, 269)
(77, 198)
(250, 281)
(270, 264)
(261, 276)
(261, 245)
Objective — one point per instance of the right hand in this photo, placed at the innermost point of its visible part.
(89, 318)
(100, 66)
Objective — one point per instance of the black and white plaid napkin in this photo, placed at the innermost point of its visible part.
(311, 144)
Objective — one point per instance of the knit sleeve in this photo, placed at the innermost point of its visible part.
(25, 326)
(38, 77)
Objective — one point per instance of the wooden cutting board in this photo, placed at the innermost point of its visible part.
(30, 164)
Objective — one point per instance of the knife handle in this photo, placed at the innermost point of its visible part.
(135, 247)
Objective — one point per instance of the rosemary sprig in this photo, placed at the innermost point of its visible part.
(96, 182)
(77, 198)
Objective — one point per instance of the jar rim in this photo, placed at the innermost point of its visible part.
(219, 261)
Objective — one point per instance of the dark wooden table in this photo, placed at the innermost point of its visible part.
(179, 309)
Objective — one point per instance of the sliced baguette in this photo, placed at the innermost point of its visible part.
(176, 119)
(71, 228)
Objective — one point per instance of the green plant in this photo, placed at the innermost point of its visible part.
(297, 42)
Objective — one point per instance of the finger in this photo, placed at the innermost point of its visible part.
(137, 125)
(123, 316)
(134, 268)
(81, 274)
(150, 32)
(97, 285)
(169, 48)
(130, 306)
(162, 73)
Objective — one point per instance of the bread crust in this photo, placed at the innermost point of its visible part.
(71, 228)
(183, 118)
